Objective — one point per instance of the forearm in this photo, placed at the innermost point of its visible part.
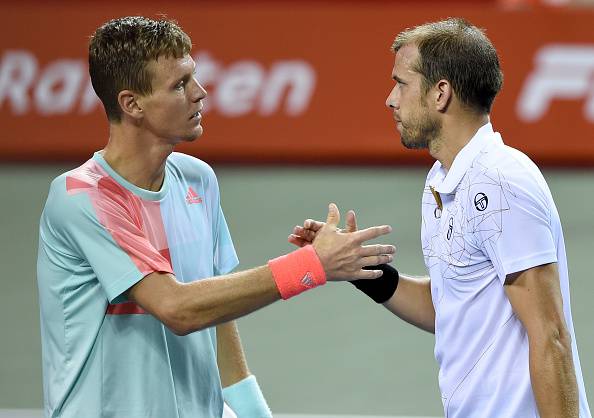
(240, 389)
(412, 302)
(205, 303)
(230, 357)
(189, 307)
(553, 377)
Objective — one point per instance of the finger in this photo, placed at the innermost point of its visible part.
(306, 234)
(374, 260)
(371, 233)
(313, 225)
(369, 250)
(351, 221)
(368, 274)
(299, 230)
(333, 215)
(298, 241)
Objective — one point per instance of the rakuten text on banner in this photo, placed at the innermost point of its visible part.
(294, 81)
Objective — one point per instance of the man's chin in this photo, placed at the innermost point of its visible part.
(412, 144)
(194, 135)
(406, 142)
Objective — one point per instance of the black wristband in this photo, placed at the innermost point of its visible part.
(382, 288)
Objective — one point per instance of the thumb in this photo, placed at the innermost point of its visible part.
(333, 215)
(351, 221)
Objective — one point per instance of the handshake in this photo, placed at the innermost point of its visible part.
(344, 257)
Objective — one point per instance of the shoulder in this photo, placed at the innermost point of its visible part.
(504, 176)
(191, 167)
(66, 186)
(66, 206)
(189, 163)
(502, 165)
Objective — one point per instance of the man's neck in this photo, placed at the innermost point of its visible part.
(137, 158)
(456, 133)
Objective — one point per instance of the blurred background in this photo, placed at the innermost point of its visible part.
(295, 119)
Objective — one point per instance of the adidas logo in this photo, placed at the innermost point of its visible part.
(192, 197)
(307, 280)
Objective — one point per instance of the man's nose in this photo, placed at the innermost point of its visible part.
(391, 100)
(200, 92)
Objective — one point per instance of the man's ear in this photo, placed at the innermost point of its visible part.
(128, 101)
(443, 95)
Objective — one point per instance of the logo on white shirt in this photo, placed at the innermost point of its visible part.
(481, 201)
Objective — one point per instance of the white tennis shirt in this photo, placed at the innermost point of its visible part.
(497, 217)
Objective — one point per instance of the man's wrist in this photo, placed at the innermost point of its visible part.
(382, 288)
(246, 399)
(297, 271)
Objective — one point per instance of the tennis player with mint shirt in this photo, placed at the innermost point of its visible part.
(497, 295)
(130, 244)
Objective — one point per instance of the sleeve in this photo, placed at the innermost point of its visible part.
(225, 257)
(511, 223)
(103, 234)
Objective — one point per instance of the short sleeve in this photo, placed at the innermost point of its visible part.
(225, 257)
(86, 227)
(510, 221)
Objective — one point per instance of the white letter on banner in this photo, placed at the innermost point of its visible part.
(58, 86)
(562, 71)
(17, 70)
(297, 75)
(238, 88)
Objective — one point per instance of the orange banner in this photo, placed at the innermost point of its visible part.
(300, 82)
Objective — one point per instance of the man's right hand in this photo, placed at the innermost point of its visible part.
(343, 255)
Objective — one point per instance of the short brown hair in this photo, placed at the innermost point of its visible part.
(120, 50)
(459, 52)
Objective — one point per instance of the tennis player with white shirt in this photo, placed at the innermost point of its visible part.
(497, 296)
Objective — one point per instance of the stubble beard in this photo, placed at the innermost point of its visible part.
(421, 132)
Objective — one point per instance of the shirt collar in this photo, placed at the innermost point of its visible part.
(142, 193)
(447, 182)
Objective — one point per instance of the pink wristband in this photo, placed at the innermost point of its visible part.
(297, 272)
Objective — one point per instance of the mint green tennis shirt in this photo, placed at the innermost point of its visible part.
(103, 356)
